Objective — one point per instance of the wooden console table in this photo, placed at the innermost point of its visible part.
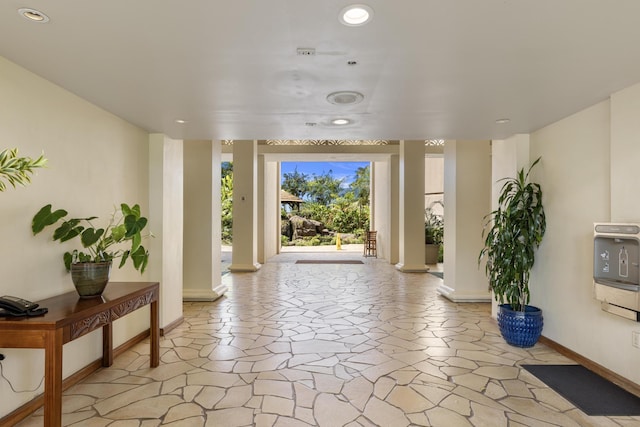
(71, 317)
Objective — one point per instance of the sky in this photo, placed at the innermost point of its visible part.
(340, 170)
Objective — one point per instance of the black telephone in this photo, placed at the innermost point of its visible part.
(17, 307)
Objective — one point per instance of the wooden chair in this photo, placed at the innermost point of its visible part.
(370, 248)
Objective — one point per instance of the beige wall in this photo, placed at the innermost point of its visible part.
(575, 174)
(96, 161)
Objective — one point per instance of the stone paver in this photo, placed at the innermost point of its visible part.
(327, 345)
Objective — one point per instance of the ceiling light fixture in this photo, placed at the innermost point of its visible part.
(340, 122)
(502, 121)
(345, 97)
(33, 15)
(181, 121)
(356, 15)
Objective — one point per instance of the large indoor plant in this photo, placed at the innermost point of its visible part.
(91, 265)
(511, 236)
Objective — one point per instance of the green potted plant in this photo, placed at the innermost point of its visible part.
(433, 234)
(90, 266)
(512, 233)
(17, 170)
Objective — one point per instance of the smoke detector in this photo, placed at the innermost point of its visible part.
(345, 97)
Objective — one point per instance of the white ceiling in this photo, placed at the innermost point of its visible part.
(428, 69)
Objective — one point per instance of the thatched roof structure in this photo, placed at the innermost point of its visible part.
(290, 199)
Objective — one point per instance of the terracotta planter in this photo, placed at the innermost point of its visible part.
(90, 278)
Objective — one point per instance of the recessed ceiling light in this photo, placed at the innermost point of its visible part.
(33, 15)
(345, 97)
(181, 121)
(340, 122)
(356, 14)
(502, 121)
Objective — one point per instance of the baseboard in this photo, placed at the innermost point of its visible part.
(36, 403)
(619, 380)
(171, 326)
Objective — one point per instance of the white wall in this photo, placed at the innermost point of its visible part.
(96, 161)
(575, 174)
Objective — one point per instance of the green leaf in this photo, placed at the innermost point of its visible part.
(134, 225)
(136, 241)
(126, 210)
(68, 258)
(91, 236)
(118, 232)
(45, 217)
(71, 234)
(123, 260)
(140, 258)
(65, 228)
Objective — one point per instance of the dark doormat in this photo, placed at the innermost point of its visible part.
(439, 274)
(329, 261)
(587, 390)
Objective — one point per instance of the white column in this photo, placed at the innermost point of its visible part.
(411, 207)
(381, 207)
(166, 223)
(261, 209)
(245, 206)
(394, 209)
(202, 240)
(467, 195)
(271, 220)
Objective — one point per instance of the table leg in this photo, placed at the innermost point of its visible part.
(154, 334)
(53, 378)
(107, 345)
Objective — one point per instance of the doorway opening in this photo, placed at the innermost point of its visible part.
(324, 204)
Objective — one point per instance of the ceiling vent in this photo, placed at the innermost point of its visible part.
(306, 51)
(345, 97)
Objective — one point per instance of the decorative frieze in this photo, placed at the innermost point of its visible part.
(89, 324)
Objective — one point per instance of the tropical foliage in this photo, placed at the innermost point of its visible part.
(511, 236)
(125, 226)
(227, 202)
(16, 170)
(295, 183)
(433, 227)
(343, 209)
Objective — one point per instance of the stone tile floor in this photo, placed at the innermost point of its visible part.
(327, 345)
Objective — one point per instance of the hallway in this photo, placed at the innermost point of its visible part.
(327, 345)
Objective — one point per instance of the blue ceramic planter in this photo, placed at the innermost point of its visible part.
(520, 329)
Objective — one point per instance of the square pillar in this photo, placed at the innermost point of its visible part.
(411, 195)
(166, 223)
(202, 227)
(245, 206)
(467, 196)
